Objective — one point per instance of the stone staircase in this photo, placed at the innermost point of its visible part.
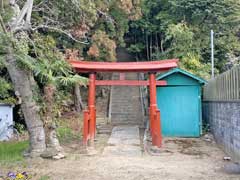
(126, 105)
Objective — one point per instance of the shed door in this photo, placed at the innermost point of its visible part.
(179, 106)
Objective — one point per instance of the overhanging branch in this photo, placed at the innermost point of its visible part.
(60, 31)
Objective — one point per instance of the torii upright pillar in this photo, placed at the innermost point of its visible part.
(91, 106)
(155, 124)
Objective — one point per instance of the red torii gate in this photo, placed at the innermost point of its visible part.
(151, 67)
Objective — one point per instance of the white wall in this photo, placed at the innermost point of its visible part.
(6, 120)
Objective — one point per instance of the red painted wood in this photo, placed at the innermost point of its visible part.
(151, 98)
(157, 133)
(147, 66)
(89, 130)
(152, 89)
(127, 83)
(85, 127)
(154, 114)
(91, 106)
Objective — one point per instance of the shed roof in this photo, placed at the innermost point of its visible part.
(6, 104)
(178, 70)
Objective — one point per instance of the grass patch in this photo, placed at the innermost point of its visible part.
(66, 134)
(12, 151)
(69, 129)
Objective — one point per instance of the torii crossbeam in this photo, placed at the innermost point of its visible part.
(151, 67)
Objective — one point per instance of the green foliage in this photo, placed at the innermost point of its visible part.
(84, 19)
(103, 48)
(72, 80)
(221, 16)
(136, 48)
(62, 101)
(191, 63)
(22, 43)
(49, 65)
(20, 128)
(3, 41)
(6, 90)
(6, 11)
(121, 24)
(206, 128)
(175, 29)
(67, 13)
(65, 134)
(181, 39)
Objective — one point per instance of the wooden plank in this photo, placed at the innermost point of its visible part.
(127, 83)
(149, 66)
(224, 87)
(232, 84)
(238, 81)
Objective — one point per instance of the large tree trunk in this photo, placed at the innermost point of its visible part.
(21, 80)
(49, 125)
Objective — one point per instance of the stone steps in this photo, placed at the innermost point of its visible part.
(126, 104)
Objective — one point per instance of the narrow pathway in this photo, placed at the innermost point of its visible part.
(124, 141)
(126, 115)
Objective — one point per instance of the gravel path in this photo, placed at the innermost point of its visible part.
(180, 159)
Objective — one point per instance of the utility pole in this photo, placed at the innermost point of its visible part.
(212, 52)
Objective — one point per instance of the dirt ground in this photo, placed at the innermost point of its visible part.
(179, 159)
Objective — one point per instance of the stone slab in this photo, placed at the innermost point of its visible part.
(124, 141)
(124, 135)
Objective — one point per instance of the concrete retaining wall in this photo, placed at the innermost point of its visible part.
(224, 120)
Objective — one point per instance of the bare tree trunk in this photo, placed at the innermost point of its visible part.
(147, 47)
(22, 85)
(157, 44)
(161, 44)
(135, 41)
(77, 98)
(151, 47)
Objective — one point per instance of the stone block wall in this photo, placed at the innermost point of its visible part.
(224, 120)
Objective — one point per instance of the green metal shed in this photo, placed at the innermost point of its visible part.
(180, 104)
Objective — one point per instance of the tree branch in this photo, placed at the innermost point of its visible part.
(109, 18)
(29, 13)
(21, 15)
(18, 23)
(3, 25)
(60, 31)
